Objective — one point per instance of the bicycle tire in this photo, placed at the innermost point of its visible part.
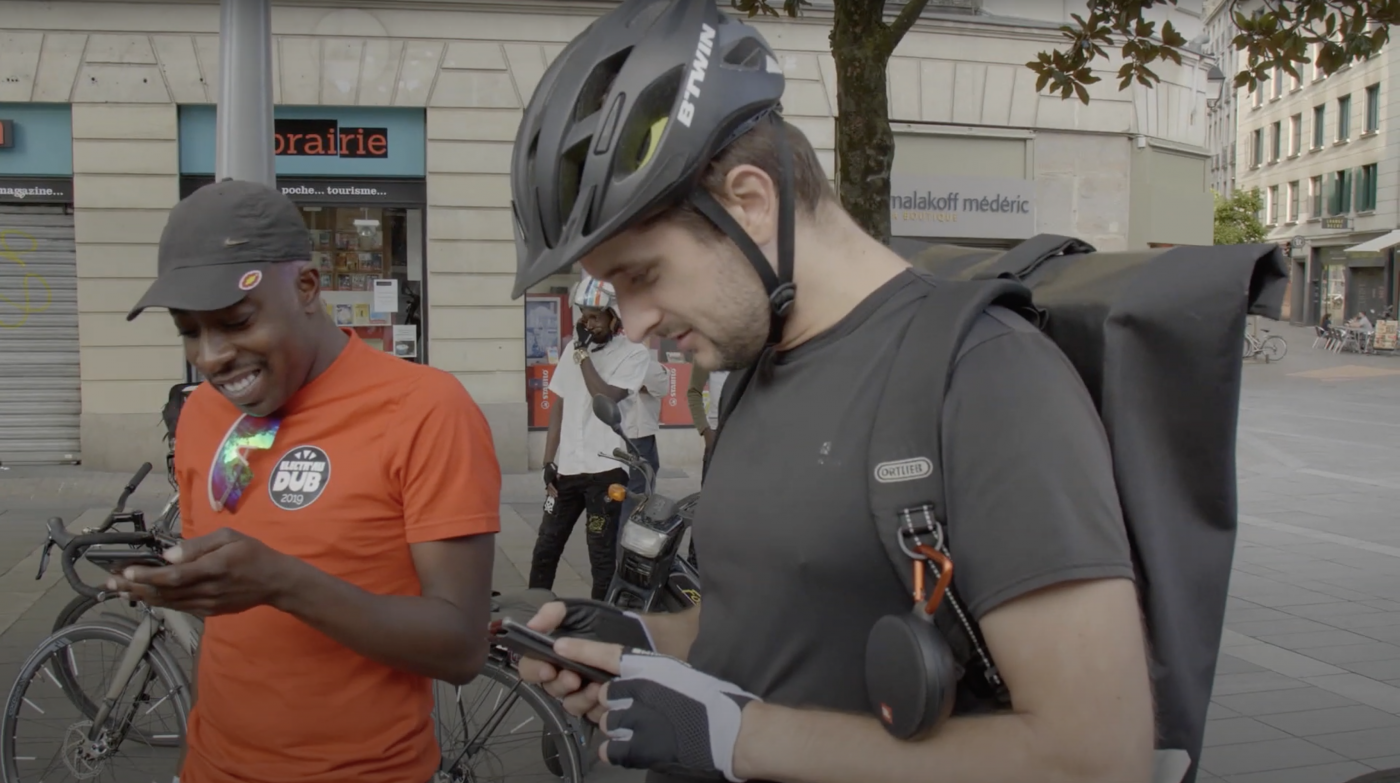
(1278, 350)
(1379, 776)
(72, 614)
(1248, 347)
(570, 768)
(162, 664)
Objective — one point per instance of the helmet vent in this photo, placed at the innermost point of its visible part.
(747, 54)
(595, 88)
(570, 177)
(636, 147)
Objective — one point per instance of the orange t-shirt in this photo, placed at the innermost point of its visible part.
(373, 455)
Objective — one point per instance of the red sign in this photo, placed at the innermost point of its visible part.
(537, 378)
(313, 138)
(675, 409)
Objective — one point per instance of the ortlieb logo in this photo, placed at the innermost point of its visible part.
(903, 470)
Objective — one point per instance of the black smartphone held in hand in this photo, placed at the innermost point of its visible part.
(526, 641)
(117, 560)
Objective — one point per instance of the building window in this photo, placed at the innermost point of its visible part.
(1366, 189)
(1317, 67)
(1295, 135)
(1276, 145)
(1341, 193)
(1373, 108)
(1315, 192)
(1273, 205)
(1293, 201)
(1277, 83)
(1258, 93)
(1344, 118)
(1295, 83)
(1319, 125)
(1258, 147)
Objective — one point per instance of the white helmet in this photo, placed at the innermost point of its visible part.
(594, 293)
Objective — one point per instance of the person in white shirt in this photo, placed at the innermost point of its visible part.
(576, 478)
(641, 420)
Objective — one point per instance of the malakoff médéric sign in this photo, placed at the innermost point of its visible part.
(969, 207)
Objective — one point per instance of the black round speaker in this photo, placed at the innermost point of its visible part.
(911, 675)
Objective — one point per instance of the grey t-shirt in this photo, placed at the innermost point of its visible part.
(793, 573)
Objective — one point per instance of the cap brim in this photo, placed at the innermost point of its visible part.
(199, 288)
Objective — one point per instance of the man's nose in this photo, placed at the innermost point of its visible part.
(211, 352)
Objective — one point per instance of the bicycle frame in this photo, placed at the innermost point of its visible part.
(155, 620)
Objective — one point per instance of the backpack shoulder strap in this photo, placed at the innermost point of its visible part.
(907, 501)
(1022, 259)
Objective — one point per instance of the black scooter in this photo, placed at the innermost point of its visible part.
(651, 576)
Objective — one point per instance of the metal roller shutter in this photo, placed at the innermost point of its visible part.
(40, 404)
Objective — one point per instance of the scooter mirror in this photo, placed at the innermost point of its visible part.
(607, 411)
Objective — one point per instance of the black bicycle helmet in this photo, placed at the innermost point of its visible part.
(624, 123)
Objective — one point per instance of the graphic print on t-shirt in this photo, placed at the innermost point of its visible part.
(299, 478)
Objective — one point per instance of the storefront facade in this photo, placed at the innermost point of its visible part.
(446, 84)
(39, 347)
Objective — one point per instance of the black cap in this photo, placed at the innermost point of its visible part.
(219, 243)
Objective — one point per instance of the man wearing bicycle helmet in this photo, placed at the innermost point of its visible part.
(576, 477)
(339, 508)
(653, 153)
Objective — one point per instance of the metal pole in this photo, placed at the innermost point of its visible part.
(244, 140)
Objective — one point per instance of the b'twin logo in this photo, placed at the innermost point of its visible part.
(903, 470)
(299, 478)
(697, 74)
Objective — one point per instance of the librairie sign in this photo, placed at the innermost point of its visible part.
(325, 138)
(968, 207)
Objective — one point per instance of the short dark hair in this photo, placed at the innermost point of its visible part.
(758, 147)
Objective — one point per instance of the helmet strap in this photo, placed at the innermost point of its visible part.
(780, 288)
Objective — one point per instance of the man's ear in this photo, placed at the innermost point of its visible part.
(751, 197)
(308, 288)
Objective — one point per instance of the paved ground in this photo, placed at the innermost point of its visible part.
(1308, 686)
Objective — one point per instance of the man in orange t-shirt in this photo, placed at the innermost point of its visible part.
(339, 506)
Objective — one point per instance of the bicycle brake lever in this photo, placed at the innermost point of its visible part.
(44, 559)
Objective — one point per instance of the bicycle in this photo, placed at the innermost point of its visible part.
(107, 724)
(1273, 348)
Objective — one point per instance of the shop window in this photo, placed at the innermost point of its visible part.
(369, 283)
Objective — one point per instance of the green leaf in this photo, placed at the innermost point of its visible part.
(1083, 93)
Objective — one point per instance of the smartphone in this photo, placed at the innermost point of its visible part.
(117, 560)
(526, 641)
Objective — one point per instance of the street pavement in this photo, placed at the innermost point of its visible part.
(1308, 684)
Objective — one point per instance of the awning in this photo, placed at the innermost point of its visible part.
(1377, 245)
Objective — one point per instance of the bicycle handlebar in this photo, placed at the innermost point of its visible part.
(131, 487)
(78, 545)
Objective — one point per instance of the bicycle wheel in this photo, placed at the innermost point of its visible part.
(1248, 347)
(1274, 348)
(112, 610)
(153, 703)
(501, 728)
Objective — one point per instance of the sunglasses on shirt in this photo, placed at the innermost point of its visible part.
(230, 474)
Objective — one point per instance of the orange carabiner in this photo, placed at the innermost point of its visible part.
(945, 578)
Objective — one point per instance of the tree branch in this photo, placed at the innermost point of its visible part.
(901, 24)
